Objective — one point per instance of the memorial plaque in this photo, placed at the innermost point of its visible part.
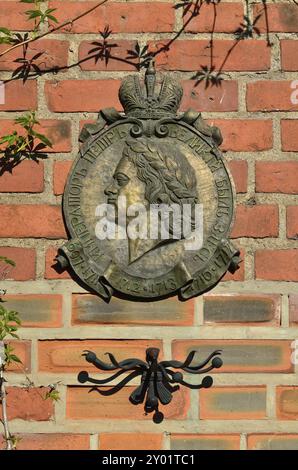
(149, 203)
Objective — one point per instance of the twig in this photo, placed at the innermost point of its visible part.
(3, 400)
(52, 30)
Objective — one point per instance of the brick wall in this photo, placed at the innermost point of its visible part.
(252, 315)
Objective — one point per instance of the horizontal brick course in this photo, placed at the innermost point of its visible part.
(272, 441)
(37, 310)
(28, 404)
(130, 441)
(276, 265)
(205, 442)
(258, 221)
(25, 260)
(287, 403)
(276, 177)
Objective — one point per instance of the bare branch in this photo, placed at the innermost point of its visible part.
(52, 30)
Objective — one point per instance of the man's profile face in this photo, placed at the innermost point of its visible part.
(126, 184)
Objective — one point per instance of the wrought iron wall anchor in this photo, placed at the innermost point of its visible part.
(157, 378)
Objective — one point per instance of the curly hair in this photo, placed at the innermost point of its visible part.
(168, 179)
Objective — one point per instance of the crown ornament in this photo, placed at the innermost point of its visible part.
(143, 103)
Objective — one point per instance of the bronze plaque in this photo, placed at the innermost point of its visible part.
(149, 203)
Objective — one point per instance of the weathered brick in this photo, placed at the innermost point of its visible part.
(287, 402)
(282, 17)
(50, 264)
(272, 441)
(61, 170)
(228, 55)
(130, 441)
(37, 310)
(289, 131)
(144, 17)
(18, 96)
(292, 222)
(212, 99)
(31, 220)
(58, 131)
(276, 265)
(205, 442)
(22, 349)
(233, 403)
(66, 355)
(12, 15)
(273, 95)
(228, 18)
(293, 308)
(239, 171)
(54, 54)
(82, 405)
(90, 309)
(53, 441)
(258, 221)
(24, 178)
(28, 404)
(117, 59)
(244, 356)
(261, 309)
(82, 95)
(241, 135)
(276, 177)
(289, 55)
(25, 259)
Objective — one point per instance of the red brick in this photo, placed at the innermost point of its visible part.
(205, 442)
(53, 441)
(61, 170)
(191, 55)
(59, 133)
(54, 55)
(239, 275)
(259, 221)
(143, 17)
(130, 441)
(82, 95)
(90, 309)
(277, 177)
(239, 170)
(25, 259)
(239, 356)
(272, 442)
(255, 310)
(118, 59)
(37, 310)
(22, 349)
(31, 221)
(81, 405)
(289, 55)
(292, 222)
(223, 98)
(289, 132)
(271, 96)
(26, 177)
(12, 15)
(241, 135)
(293, 308)
(19, 96)
(281, 18)
(66, 355)
(228, 18)
(287, 402)
(28, 404)
(50, 272)
(277, 265)
(233, 403)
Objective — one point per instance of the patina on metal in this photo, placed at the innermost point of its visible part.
(152, 155)
(157, 379)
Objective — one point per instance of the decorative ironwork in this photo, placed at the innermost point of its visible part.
(158, 381)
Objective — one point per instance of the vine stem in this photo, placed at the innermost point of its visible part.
(52, 30)
(3, 400)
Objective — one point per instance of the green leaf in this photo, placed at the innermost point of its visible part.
(33, 14)
(15, 358)
(43, 139)
(5, 31)
(27, 1)
(7, 260)
(52, 18)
